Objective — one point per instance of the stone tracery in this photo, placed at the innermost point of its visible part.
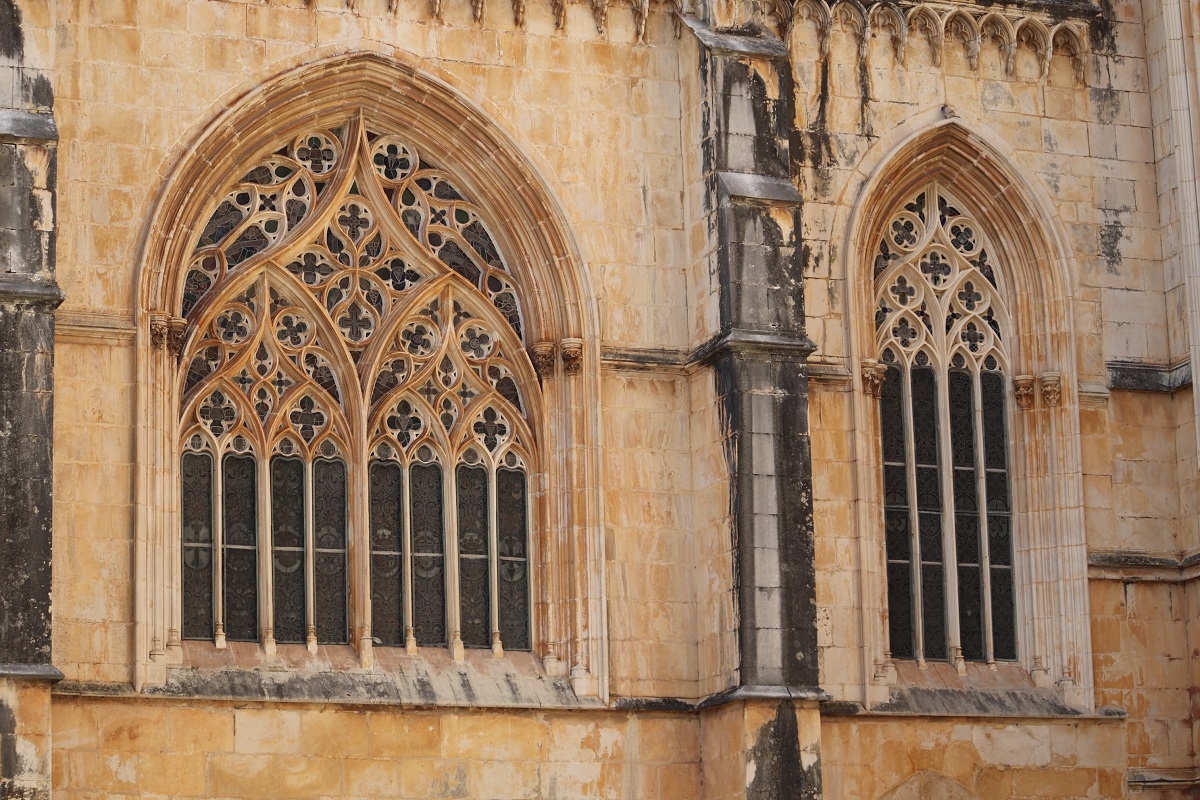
(346, 304)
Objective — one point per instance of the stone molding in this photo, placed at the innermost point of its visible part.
(1139, 377)
(24, 291)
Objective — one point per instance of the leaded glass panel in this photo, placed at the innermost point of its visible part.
(513, 567)
(473, 588)
(240, 552)
(428, 563)
(330, 589)
(999, 518)
(287, 549)
(387, 572)
(196, 516)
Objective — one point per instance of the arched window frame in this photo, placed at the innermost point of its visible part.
(1036, 272)
(571, 637)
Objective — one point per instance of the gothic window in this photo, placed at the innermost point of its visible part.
(941, 328)
(353, 414)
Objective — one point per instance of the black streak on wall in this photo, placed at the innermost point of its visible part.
(12, 40)
(778, 770)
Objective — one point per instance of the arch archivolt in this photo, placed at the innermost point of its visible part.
(1030, 261)
(354, 262)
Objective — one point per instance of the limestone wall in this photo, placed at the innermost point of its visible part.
(994, 760)
(146, 748)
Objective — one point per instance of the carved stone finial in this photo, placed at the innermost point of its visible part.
(873, 376)
(1023, 388)
(542, 356)
(571, 351)
(1051, 388)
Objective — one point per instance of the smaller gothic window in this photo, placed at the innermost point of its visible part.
(941, 326)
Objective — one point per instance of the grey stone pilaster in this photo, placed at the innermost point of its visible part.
(28, 297)
(760, 353)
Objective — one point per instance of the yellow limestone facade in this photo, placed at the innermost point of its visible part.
(689, 202)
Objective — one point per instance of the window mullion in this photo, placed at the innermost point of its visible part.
(266, 558)
(493, 563)
(985, 562)
(450, 543)
(406, 558)
(310, 546)
(218, 550)
(910, 467)
(949, 544)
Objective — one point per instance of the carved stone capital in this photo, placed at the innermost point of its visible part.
(571, 352)
(1051, 388)
(873, 376)
(542, 356)
(1023, 388)
(167, 331)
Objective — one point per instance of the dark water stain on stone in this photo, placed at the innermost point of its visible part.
(12, 39)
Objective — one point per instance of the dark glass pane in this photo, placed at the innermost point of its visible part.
(474, 595)
(329, 521)
(966, 538)
(287, 548)
(899, 605)
(891, 417)
(1004, 634)
(428, 560)
(240, 495)
(931, 536)
(196, 518)
(991, 387)
(899, 537)
(513, 534)
(970, 612)
(962, 419)
(997, 491)
(933, 611)
(387, 575)
(929, 494)
(999, 540)
(895, 486)
(924, 409)
(965, 500)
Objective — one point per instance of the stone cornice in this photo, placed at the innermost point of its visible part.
(23, 290)
(26, 126)
(1140, 377)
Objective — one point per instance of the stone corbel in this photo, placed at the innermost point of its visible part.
(542, 356)
(873, 376)
(1023, 389)
(1051, 388)
(571, 352)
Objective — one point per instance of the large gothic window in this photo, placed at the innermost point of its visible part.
(353, 421)
(941, 330)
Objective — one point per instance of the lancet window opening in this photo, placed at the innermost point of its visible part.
(355, 407)
(941, 328)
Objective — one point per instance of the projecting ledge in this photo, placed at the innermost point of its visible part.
(27, 126)
(31, 672)
(479, 683)
(735, 43)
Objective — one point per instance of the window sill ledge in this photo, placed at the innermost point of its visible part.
(430, 679)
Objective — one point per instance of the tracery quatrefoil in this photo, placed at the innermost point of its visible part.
(937, 267)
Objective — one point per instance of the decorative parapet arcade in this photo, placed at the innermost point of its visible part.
(943, 25)
(641, 11)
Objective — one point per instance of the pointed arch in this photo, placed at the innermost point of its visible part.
(1033, 263)
(926, 784)
(348, 104)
